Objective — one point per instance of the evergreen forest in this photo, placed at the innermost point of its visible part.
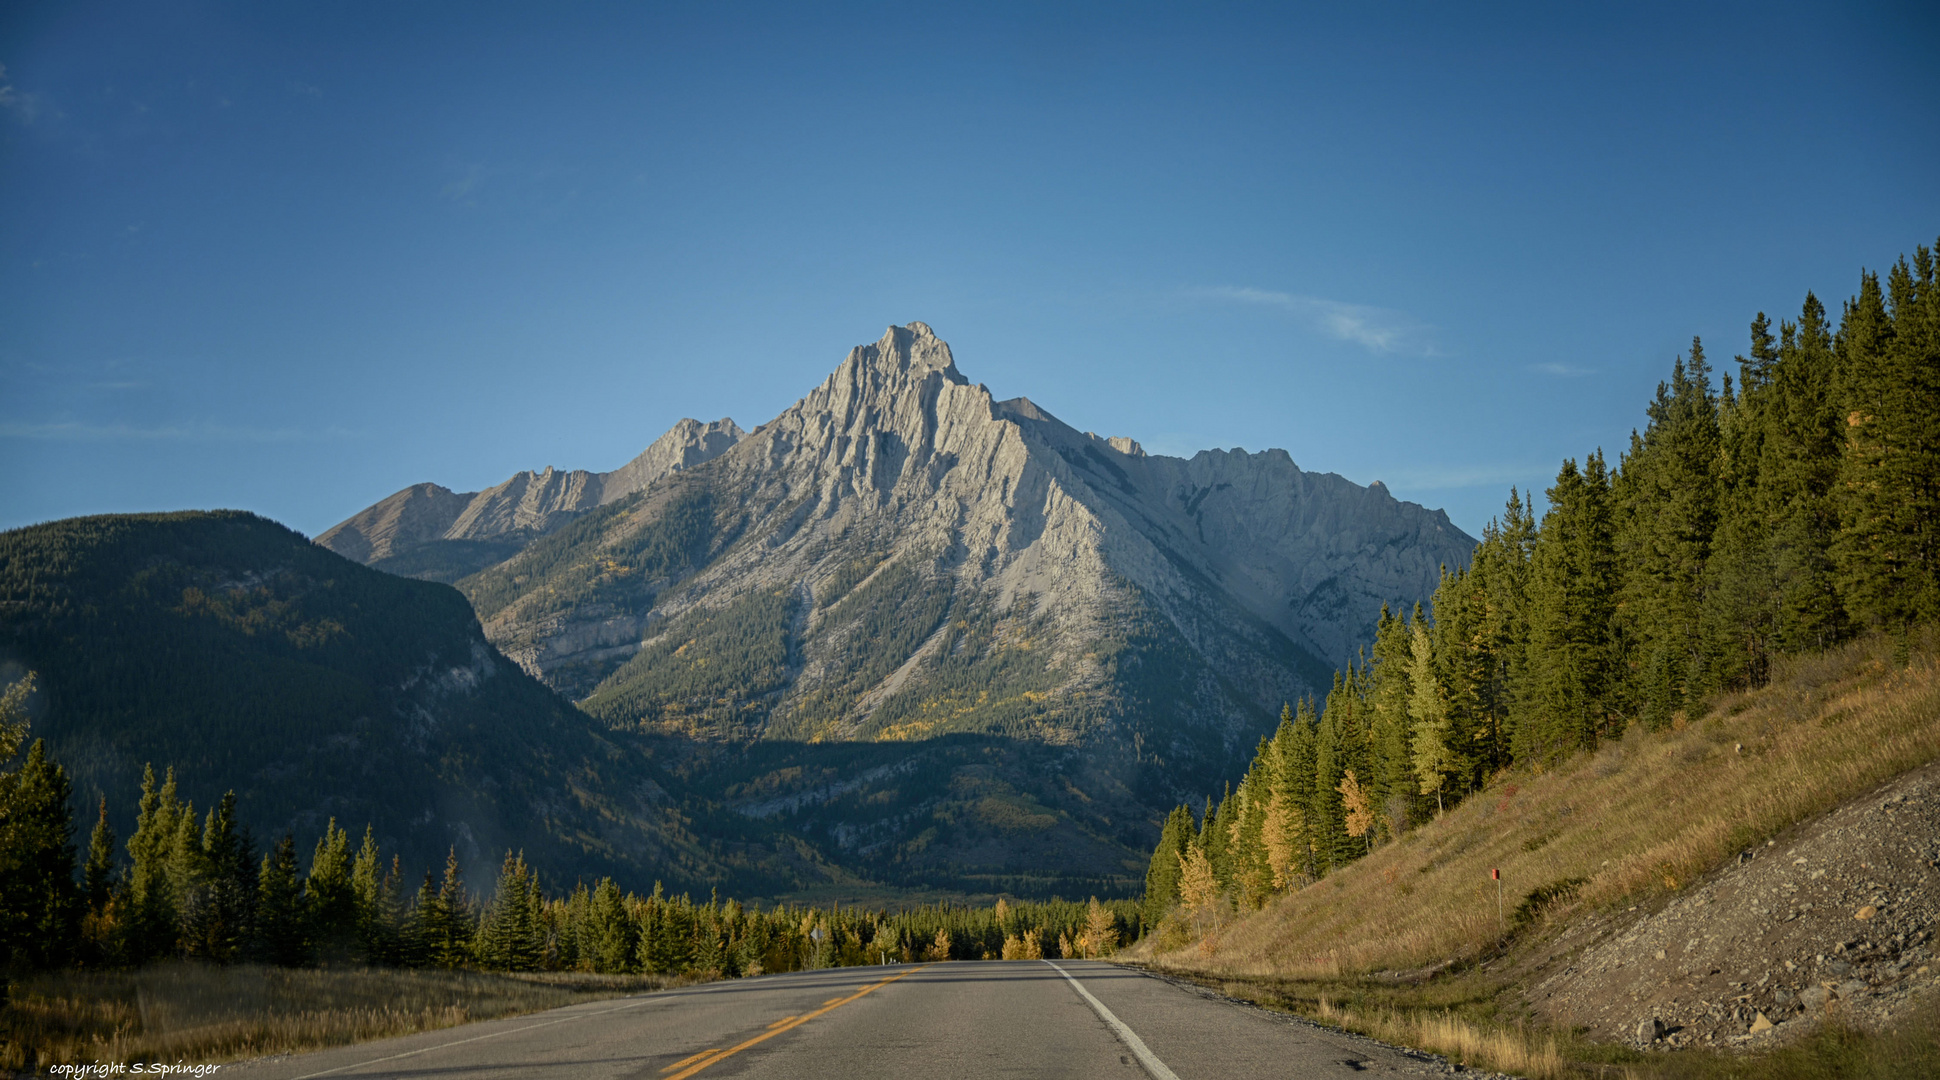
(1781, 512)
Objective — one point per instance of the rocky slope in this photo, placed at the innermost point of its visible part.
(1836, 915)
(900, 557)
(431, 532)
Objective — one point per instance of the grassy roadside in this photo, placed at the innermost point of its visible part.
(1406, 944)
(1460, 1018)
(206, 1013)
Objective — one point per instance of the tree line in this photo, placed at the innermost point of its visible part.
(1780, 513)
(194, 887)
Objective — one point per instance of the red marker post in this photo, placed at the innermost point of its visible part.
(1495, 873)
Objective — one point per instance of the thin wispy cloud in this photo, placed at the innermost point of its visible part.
(25, 106)
(84, 431)
(1376, 329)
(460, 189)
(1565, 371)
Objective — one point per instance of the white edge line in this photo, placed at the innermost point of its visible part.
(489, 1035)
(1139, 1050)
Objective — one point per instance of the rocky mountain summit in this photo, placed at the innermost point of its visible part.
(901, 557)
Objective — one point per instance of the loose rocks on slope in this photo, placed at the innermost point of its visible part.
(1837, 915)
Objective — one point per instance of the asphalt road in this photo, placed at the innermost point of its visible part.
(1017, 1018)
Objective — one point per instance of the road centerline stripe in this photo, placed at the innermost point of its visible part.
(793, 1023)
(1129, 1037)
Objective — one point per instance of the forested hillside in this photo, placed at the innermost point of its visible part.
(234, 651)
(1781, 512)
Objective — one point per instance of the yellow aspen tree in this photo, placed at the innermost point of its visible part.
(1198, 888)
(1282, 838)
(1013, 947)
(1034, 945)
(1064, 946)
(1360, 816)
(940, 948)
(1101, 930)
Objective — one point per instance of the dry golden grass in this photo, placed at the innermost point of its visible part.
(202, 1013)
(1641, 816)
(1510, 1050)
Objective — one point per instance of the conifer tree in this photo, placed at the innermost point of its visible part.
(1391, 774)
(447, 928)
(1162, 875)
(1434, 759)
(152, 918)
(98, 879)
(1215, 838)
(39, 908)
(510, 937)
(224, 889)
(614, 938)
(1565, 691)
(1888, 541)
(373, 893)
(1299, 762)
(282, 918)
(332, 900)
(1669, 496)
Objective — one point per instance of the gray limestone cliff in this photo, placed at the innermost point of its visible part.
(432, 532)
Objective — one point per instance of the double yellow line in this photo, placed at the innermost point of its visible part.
(691, 1065)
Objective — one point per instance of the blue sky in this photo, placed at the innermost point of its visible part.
(291, 260)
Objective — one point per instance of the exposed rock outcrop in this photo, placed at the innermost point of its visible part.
(433, 532)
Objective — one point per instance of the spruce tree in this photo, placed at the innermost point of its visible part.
(614, 939)
(374, 902)
(1888, 543)
(510, 937)
(1565, 691)
(1434, 759)
(1798, 478)
(1669, 515)
(332, 899)
(98, 879)
(39, 907)
(152, 918)
(1391, 770)
(1162, 875)
(282, 917)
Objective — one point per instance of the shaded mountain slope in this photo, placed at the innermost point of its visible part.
(249, 658)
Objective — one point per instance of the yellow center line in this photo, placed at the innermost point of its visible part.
(788, 1025)
(831, 1001)
(690, 1059)
(786, 1019)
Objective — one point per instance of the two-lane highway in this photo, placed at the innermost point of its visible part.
(1015, 1018)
